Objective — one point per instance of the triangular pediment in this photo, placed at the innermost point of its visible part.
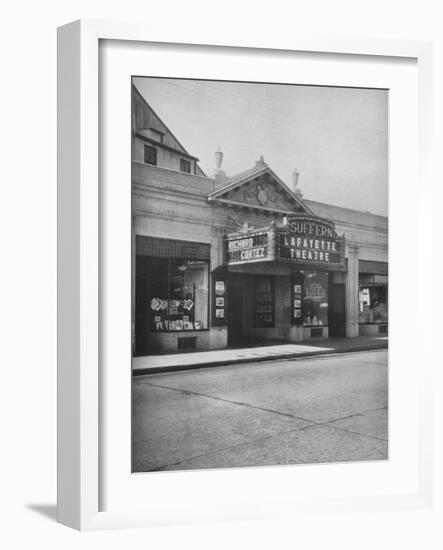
(260, 189)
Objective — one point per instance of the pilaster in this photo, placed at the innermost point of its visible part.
(352, 291)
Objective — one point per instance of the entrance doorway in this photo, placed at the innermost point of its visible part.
(336, 309)
(235, 314)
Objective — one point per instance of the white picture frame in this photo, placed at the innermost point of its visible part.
(81, 363)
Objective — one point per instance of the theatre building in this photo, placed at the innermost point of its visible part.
(236, 260)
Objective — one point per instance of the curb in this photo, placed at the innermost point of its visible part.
(178, 368)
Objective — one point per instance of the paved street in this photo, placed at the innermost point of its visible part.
(318, 409)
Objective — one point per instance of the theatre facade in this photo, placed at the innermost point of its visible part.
(228, 261)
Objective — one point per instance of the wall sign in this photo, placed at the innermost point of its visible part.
(311, 240)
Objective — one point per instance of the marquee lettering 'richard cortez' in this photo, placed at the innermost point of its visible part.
(247, 248)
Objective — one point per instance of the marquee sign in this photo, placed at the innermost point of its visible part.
(304, 240)
(310, 240)
(250, 247)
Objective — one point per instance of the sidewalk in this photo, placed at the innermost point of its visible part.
(151, 364)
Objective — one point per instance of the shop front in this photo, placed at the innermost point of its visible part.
(278, 283)
(172, 295)
(285, 283)
(373, 298)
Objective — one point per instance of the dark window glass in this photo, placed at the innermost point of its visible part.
(150, 155)
(185, 166)
(264, 302)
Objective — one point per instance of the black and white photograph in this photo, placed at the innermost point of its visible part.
(259, 274)
(232, 217)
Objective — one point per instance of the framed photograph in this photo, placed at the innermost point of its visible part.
(219, 287)
(125, 97)
(219, 302)
(297, 303)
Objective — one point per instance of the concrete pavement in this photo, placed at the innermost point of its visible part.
(318, 409)
(198, 359)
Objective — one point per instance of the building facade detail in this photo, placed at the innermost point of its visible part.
(225, 260)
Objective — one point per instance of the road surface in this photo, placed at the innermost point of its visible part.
(319, 409)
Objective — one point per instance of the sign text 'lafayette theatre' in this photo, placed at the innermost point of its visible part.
(310, 240)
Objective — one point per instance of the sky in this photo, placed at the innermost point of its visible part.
(337, 138)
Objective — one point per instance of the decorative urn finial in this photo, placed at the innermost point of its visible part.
(261, 161)
(218, 159)
(295, 177)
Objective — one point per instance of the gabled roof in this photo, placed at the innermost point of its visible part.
(155, 123)
(295, 202)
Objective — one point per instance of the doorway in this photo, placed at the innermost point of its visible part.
(337, 310)
(235, 314)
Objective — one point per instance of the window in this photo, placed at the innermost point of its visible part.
(264, 302)
(150, 155)
(178, 295)
(185, 166)
(314, 298)
(373, 304)
(157, 135)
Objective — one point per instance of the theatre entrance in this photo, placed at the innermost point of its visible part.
(336, 310)
(235, 314)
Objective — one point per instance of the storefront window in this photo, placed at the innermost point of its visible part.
(314, 298)
(373, 304)
(178, 294)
